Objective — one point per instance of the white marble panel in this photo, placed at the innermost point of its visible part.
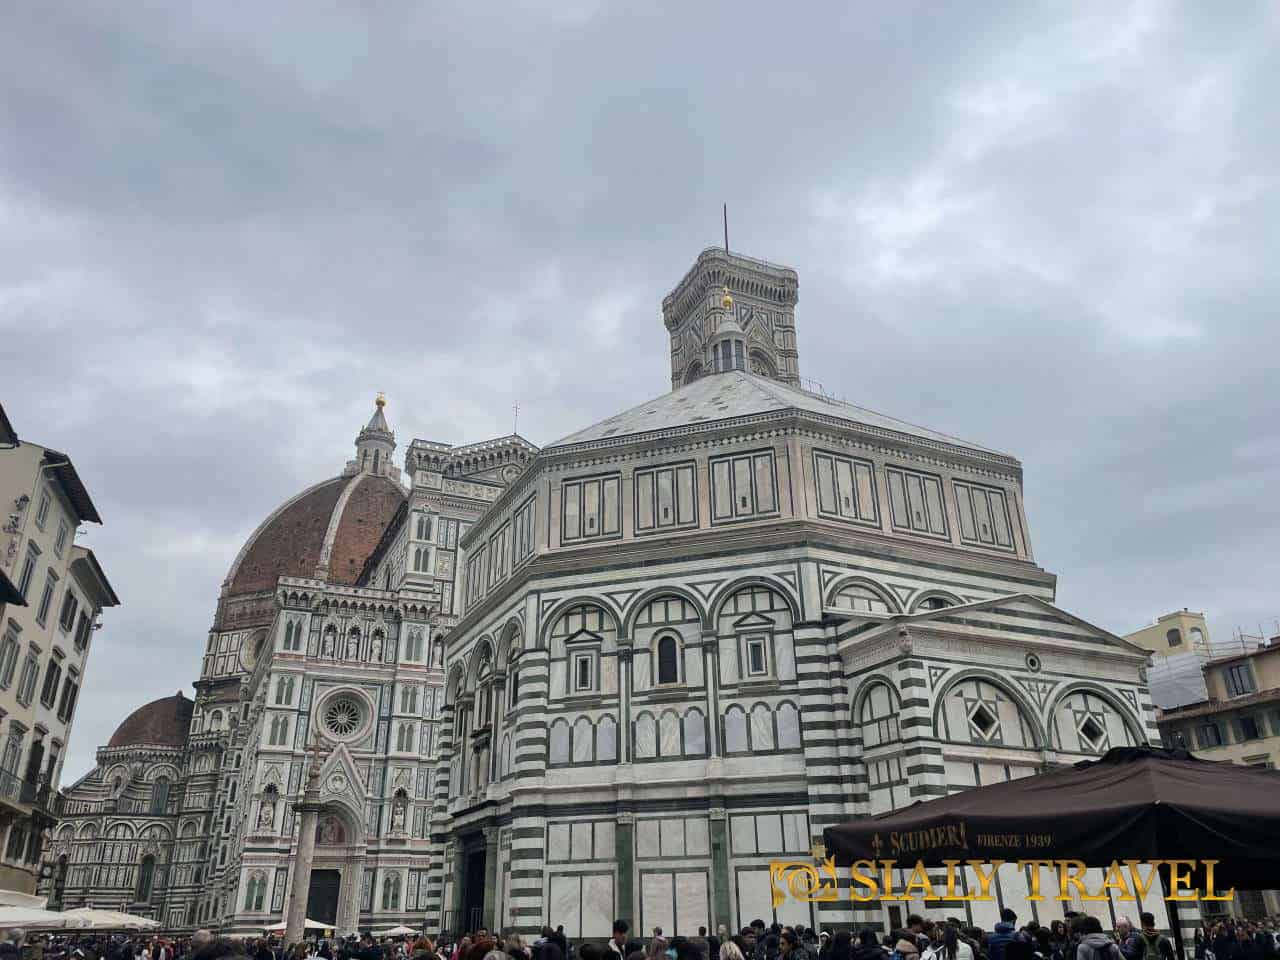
(784, 653)
(697, 841)
(692, 903)
(566, 904)
(742, 832)
(608, 674)
(769, 832)
(695, 675)
(695, 733)
(580, 846)
(735, 731)
(559, 737)
(604, 842)
(669, 735)
(646, 737)
(728, 660)
(556, 678)
(646, 838)
(606, 740)
(755, 899)
(597, 906)
(795, 833)
(788, 727)
(880, 800)
(960, 773)
(673, 838)
(558, 841)
(640, 671)
(584, 736)
(989, 773)
(657, 902)
(761, 727)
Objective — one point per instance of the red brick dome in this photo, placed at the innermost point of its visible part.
(327, 532)
(161, 723)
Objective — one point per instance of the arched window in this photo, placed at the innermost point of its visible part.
(376, 456)
(645, 737)
(513, 685)
(255, 892)
(1174, 637)
(146, 874)
(788, 720)
(860, 599)
(668, 660)
(695, 733)
(978, 711)
(1083, 722)
(559, 752)
(1197, 638)
(934, 603)
(878, 716)
(504, 757)
(583, 740)
(424, 527)
(606, 740)
(484, 693)
(391, 892)
(761, 727)
(159, 794)
(288, 635)
(735, 730)
(215, 720)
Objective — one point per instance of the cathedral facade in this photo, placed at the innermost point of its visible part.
(612, 677)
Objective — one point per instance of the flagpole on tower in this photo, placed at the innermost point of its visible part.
(726, 227)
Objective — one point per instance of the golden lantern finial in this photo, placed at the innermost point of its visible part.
(380, 400)
(727, 300)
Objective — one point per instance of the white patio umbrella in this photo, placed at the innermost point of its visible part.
(400, 931)
(31, 918)
(12, 898)
(306, 925)
(111, 920)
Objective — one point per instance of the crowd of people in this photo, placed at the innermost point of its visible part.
(1077, 937)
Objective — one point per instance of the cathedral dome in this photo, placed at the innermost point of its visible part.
(162, 722)
(329, 530)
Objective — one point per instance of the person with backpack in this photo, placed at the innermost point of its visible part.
(950, 946)
(1003, 934)
(1155, 945)
(1094, 944)
(1127, 938)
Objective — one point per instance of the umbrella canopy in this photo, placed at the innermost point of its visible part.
(401, 931)
(92, 919)
(31, 918)
(1140, 803)
(12, 898)
(306, 925)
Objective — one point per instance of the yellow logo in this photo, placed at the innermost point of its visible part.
(803, 881)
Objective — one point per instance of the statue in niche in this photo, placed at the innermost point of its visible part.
(375, 651)
(266, 816)
(328, 644)
(353, 647)
(329, 831)
(397, 815)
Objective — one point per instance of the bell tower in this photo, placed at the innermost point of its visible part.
(762, 298)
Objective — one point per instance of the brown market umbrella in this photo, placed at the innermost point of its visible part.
(1140, 803)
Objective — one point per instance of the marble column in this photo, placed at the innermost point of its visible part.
(309, 810)
(489, 917)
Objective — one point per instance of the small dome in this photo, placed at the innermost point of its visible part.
(161, 723)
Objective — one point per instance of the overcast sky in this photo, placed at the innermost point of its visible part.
(1050, 229)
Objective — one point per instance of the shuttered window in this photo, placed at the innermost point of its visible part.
(846, 488)
(743, 487)
(984, 515)
(666, 498)
(590, 508)
(915, 502)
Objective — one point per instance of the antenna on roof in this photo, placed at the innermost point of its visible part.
(725, 211)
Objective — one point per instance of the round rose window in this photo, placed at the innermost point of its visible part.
(342, 717)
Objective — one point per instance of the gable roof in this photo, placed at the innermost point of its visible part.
(1013, 616)
(734, 394)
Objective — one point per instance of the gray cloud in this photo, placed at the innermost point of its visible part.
(1049, 230)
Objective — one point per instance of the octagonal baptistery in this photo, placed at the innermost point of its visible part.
(700, 631)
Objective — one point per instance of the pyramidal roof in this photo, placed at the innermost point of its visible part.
(736, 393)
